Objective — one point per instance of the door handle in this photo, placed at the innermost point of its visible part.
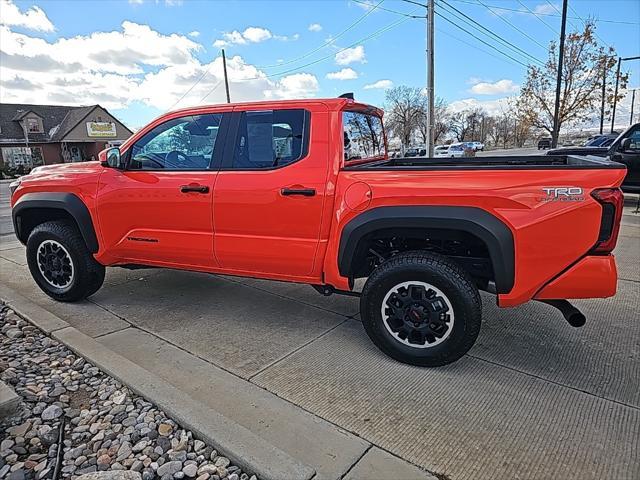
(194, 188)
(305, 192)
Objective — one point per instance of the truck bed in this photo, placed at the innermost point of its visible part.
(505, 162)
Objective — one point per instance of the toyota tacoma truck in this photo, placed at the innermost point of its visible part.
(304, 191)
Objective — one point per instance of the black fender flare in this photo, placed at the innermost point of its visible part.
(67, 202)
(476, 221)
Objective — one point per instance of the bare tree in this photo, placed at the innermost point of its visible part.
(469, 125)
(582, 73)
(403, 107)
(441, 121)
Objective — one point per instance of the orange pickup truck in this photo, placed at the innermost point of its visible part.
(304, 191)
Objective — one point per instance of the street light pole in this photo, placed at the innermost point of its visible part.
(615, 96)
(633, 100)
(430, 77)
(605, 61)
(556, 112)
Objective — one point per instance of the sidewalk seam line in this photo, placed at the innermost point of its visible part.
(278, 360)
(606, 399)
(357, 461)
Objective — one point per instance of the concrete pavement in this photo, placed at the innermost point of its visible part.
(535, 398)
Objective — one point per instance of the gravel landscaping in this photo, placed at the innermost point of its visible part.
(104, 425)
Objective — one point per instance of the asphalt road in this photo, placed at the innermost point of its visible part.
(510, 151)
(533, 399)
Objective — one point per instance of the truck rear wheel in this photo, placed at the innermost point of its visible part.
(422, 309)
(61, 264)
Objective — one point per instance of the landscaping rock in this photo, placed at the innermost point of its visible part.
(109, 432)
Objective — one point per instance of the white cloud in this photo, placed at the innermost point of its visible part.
(494, 88)
(380, 84)
(250, 35)
(194, 34)
(298, 85)
(545, 9)
(350, 55)
(315, 27)
(256, 34)
(136, 2)
(115, 69)
(33, 18)
(492, 107)
(344, 74)
(365, 4)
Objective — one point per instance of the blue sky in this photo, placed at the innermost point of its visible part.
(139, 57)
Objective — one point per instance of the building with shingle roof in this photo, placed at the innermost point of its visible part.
(32, 135)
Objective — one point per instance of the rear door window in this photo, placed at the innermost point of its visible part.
(270, 139)
(363, 137)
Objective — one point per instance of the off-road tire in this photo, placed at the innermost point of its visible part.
(88, 274)
(435, 270)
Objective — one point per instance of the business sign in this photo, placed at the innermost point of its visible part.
(101, 129)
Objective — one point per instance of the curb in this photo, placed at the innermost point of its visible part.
(244, 448)
(9, 401)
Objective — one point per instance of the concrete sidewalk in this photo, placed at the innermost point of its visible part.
(535, 398)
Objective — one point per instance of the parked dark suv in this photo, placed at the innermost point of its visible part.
(544, 143)
(624, 149)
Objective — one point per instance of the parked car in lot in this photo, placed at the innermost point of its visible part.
(456, 150)
(544, 143)
(265, 189)
(477, 146)
(604, 140)
(440, 151)
(623, 148)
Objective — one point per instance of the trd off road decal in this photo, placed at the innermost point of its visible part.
(562, 194)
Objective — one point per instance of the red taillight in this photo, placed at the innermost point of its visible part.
(611, 200)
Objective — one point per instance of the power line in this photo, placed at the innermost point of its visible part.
(375, 34)
(390, 10)
(585, 23)
(481, 40)
(537, 15)
(470, 2)
(513, 26)
(329, 42)
(360, 19)
(192, 86)
(477, 25)
(472, 45)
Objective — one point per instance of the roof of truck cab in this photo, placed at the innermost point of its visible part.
(335, 104)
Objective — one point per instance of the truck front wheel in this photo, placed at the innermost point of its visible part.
(422, 309)
(61, 264)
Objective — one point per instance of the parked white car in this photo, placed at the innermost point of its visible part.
(456, 150)
(440, 151)
(477, 146)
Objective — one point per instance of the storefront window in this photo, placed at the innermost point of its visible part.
(20, 160)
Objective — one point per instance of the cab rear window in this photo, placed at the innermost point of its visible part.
(363, 137)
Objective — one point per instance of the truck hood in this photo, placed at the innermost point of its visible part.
(67, 169)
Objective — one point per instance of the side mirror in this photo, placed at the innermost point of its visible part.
(113, 159)
(625, 145)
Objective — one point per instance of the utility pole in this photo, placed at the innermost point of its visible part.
(633, 100)
(615, 96)
(226, 79)
(604, 86)
(430, 77)
(556, 113)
